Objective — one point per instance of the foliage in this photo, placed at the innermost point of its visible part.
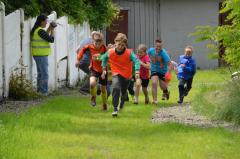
(219, 100)
(20, 88)
(230, 110)
(99, 13)
(225, 36)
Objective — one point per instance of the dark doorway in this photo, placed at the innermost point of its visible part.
(118, 26)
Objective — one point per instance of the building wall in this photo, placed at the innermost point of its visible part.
(173, 21)
(179, 18)
(143, 20)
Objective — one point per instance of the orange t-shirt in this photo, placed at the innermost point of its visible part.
(95, 54)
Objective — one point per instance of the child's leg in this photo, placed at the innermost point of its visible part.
(181, 90)
(145, 83)
(116, 91)
(188, 86)
(124, 83)
(109, 87)
(145, 92)
(154, 80)
(130, 87)
(103, 83)
(93, 90)
(104, 96)
(164, 87)
(136, 92)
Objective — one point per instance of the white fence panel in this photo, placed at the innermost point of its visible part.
(2, 15)
(26, 48)
(75, 35)
(52, 61)
(61, 41)
(12, 44)
(72, 45)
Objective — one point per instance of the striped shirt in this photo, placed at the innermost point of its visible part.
(45, 36)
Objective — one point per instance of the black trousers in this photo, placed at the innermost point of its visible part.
(184, 87)
(119, 88)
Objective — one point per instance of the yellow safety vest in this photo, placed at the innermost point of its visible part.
(39, 46)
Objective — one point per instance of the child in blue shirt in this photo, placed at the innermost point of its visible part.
(159, 63)
(186, 71)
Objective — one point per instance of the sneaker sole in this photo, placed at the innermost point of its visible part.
(114, 115)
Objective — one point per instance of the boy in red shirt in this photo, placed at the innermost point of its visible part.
(96, 50)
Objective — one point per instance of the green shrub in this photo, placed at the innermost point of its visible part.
(229, 110)
(20, 88)
(98, 13)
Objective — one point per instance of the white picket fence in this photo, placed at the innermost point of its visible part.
(15, 48)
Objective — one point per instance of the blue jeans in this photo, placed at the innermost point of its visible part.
(42, 73)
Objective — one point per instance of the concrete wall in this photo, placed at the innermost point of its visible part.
(179, 18)
(172, 20)
(143, 20)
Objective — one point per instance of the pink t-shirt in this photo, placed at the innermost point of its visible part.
(144, 73)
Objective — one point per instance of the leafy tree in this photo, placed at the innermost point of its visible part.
(225, 37)
(99, 13)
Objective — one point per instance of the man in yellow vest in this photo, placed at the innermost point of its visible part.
(40, 44)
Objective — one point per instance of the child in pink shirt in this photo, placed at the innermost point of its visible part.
(144, 74)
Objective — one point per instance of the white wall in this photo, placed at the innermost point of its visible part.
(179, 18)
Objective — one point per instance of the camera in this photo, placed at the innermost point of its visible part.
(53, 24)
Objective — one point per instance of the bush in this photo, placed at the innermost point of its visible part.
(229, 110)
(98, 13)
(20, 88)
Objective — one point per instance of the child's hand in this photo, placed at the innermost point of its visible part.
(182, 65)
(96, 57)
(77, 63)
(137, 75)
(103, 74)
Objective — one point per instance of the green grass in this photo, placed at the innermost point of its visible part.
(219, 101)
(66, 127)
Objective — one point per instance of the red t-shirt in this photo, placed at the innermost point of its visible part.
(144, 72)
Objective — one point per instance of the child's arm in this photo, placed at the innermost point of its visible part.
(104, 59)
(190, 68)
(136, 62)
(80, 55)
(145, 65)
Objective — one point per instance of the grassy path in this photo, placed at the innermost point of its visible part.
(66, 127)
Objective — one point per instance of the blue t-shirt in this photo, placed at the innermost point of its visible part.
(159, 61)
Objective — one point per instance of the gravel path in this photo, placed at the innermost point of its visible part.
(183, 114)
(18, 106)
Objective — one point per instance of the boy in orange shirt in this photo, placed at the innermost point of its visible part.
(96, 50)
(120, 59)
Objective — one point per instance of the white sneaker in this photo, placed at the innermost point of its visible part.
(115, 114)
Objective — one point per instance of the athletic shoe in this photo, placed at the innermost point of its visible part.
(93, 101)
(115, 114)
